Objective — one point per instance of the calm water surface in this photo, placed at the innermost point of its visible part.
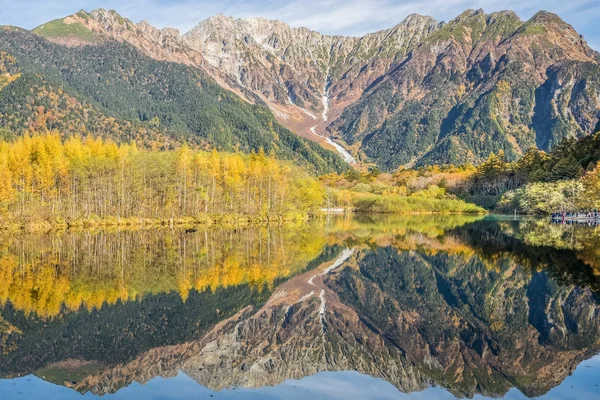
(374, 308)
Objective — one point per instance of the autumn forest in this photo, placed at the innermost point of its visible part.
(66, 183)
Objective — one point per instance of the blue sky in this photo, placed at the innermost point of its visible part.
(348, 17)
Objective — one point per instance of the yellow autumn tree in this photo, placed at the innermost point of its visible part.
(90, 180)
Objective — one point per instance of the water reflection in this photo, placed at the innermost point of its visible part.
(47, 274)
(474, 306)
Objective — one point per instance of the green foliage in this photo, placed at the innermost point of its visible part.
(69, 373)
(423, 190)
(542, 198)
(538, 183)
(534, 30)
(417, 203)
(362, 187)
(566, 168)
(60, 29)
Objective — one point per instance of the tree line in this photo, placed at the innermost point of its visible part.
(567, 178)
(43, 178)
(50, 274)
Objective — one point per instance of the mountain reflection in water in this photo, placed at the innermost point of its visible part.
(439, 307)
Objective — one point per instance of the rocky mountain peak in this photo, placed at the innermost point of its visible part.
(255, 29)
(553, 39)
(470, 13)
(543, 22)
(504, 17)
(110, 18)
(173, 32)
(468, 18)
(146, 26)
(546, 17)
(414, 27)
(416, 21)
(158, 34)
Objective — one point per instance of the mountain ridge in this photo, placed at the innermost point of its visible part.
(421, 92)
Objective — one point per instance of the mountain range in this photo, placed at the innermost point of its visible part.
(422, 92)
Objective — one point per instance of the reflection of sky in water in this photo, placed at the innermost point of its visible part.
(583, 384)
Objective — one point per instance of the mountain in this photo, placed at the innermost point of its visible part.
(113, 89)
(479, 84)
(422, 92)
(306, 77)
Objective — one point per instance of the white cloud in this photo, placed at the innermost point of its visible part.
(349, 17)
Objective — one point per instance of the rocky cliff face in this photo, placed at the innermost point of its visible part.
(421, 92)
(303, 74)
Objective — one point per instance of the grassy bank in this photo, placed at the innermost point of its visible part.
(423, 191)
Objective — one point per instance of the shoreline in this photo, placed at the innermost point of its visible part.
(142, 223)
(110, 223)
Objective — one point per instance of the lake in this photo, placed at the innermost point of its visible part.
(396, 307)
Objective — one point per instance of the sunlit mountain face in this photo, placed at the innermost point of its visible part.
(450, 306)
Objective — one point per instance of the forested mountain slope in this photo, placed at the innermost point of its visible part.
(421, 92)
(480, 84)
(113, 90)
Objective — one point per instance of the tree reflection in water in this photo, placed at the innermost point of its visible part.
(474, 306)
